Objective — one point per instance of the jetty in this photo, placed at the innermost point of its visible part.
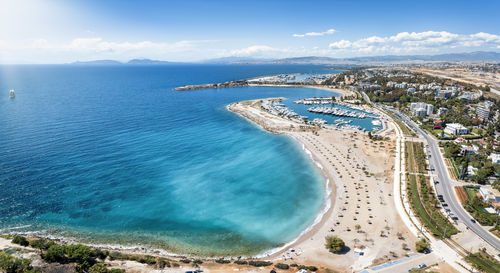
(212, 85)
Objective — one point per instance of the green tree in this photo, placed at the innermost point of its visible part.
(421, 245)
(334, 244)
(55, 253)
(11, 264)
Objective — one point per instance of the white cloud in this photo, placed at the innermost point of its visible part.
(429, 41)
(341, 44)
(255, 50)
(85, 48)
(328, 32)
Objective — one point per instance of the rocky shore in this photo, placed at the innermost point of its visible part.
(212, 85)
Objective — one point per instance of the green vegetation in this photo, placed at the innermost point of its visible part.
(20, 240)
(282, 266)
(475, 206)
(222, 261)
(480, 161)
(424, 205)
(259, 263)
(11, 264)
(101, 268)
(421, 245)
(240, 262)
(483, 262)
(406, 130)
(334, 244)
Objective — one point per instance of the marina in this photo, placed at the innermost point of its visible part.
(339, 112)
(346, 116)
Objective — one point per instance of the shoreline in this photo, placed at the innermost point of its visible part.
(331, 198)
(358, 170)
(328, 206)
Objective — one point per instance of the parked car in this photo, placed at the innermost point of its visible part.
(473, 221)
(422, 265)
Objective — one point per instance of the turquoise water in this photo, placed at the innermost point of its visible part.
(110, 154)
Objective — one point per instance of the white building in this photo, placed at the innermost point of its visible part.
(469, 149)
(421, 109)
(442, 110)
(489, 194)
(483, 109)
(455, 129)
(495, 158)
(469, 96)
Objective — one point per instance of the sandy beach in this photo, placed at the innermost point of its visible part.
(360, 206)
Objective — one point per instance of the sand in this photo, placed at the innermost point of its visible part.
(359, 190)
(360, 174)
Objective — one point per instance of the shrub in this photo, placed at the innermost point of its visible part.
(186, 261)
(312, 268)
(162, 263)
(20, 240)
(260, 263)
(222, 261)
(41, 244)
(240, 262)
(334, 244)
(79, 253)
(9, 263)
(98, 268)
(282, 266)
(116, 270)
(54, 253)
(421, 245)
(115, 255)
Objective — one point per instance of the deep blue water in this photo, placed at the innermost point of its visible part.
(111, 154)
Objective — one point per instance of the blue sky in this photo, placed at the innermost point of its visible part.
(57, 31)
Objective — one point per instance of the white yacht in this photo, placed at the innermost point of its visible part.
(12, 94)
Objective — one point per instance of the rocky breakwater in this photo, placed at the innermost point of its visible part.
(212, 85)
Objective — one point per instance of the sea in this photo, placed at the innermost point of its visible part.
(112, 155)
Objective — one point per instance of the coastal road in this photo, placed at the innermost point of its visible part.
(446, 184)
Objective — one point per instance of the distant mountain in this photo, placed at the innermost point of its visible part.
(147, 62)
(98, 62)
(131, 62)
(478, 56)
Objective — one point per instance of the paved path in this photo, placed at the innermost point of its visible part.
(446, 185)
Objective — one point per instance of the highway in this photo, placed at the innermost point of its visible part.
(446, 185)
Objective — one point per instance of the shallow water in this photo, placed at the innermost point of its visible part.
(110, 154)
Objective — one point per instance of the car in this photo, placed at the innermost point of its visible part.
(445, 205)
(440, 196)
(473, 220)
(427, 251)
(454, 218)
(436, 182)
(422, 265)
(447, 210)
